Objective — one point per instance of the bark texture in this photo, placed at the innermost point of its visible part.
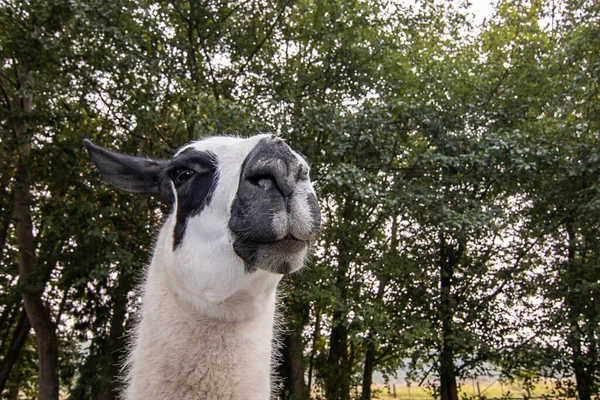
(30, 282)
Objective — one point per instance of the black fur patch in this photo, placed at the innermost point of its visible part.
(195, 193)
(248, 252)
(268, 177)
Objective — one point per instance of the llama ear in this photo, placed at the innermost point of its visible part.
(132, 174)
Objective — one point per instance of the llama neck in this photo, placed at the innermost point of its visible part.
(181, 352)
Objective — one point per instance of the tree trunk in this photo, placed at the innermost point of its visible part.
(371, 349)
(12, 309)
(583, 371)
(337, 385)
(337, 378)
(339, 368)
(32, 287)
(19, 337)
(315, 338)
(292, 367)
(582, 378)
(448, 387)
(448, 259)
(292, 352)
(368, 369)
(5, 218)
(38, 314)
(114, 348)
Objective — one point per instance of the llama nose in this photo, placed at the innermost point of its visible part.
(276, 172)
(276, 167)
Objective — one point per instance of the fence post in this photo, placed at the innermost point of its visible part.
(394, 390)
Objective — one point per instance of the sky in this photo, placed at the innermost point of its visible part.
(481, 9)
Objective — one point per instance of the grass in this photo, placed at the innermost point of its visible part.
(489, 388)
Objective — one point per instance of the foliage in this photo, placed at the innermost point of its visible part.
(456, 163)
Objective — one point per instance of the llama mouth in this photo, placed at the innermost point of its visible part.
(288, 244)
(280, 256)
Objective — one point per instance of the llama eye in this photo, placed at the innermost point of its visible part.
(181, 175)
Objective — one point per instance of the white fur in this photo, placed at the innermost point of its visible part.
(206, 325)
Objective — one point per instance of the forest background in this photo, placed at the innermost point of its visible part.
(457, 163)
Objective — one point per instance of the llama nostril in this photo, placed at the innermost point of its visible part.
(264, 181)
(274, 176)
(288, 203)
(279, 181)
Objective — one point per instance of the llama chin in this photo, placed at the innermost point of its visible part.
(243, 214)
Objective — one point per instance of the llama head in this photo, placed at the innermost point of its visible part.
(243, 211)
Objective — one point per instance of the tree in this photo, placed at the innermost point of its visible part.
(456, 166)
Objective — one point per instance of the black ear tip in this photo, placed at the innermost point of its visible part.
(89, 146)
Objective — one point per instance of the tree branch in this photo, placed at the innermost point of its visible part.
(5, 96)
(3, 75)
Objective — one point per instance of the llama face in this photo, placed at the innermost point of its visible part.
(241, 208)
(257, 190)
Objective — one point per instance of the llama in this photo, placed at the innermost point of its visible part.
(244, 213)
